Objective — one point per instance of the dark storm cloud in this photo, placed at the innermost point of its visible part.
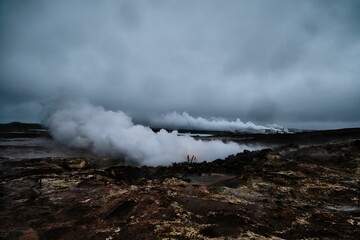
(287, 62)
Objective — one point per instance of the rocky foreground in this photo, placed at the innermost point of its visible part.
(285, 193)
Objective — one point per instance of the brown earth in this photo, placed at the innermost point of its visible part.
(283, 193)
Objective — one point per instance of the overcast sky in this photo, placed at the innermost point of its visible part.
(294, 63)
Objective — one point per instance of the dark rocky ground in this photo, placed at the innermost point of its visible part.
(288, 192)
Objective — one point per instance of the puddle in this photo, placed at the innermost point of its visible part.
(26, 148)
(343, 208)
(208, 179)
(195, 134)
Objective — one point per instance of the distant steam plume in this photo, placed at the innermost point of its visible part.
(113, 133)
(176, 120)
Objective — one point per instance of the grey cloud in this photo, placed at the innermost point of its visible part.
(264, 61)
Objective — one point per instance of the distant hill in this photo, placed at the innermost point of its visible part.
(23, 130)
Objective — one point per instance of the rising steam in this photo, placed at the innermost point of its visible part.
(175, 120)
(113, 133)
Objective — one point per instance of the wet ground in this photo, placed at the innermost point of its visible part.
(283, 193)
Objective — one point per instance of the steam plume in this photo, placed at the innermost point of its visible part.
(113, 133)
(175, 120)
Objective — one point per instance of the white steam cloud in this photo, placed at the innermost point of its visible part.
(113, 133)
(175, 120)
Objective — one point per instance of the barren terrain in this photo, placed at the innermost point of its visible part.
(306, 187)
